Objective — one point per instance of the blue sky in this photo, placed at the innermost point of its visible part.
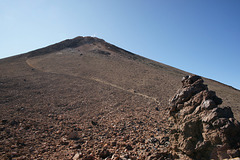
(198, 36)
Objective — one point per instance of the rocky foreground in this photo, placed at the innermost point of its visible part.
(62, 137)
(117, 127)
(197, 129)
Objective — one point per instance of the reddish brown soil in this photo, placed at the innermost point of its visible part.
(88, 97)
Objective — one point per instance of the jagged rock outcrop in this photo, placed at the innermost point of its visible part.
(200, 128)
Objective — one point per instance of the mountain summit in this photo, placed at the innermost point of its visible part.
(86, 98)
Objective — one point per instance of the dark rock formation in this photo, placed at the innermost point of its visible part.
(202, 130)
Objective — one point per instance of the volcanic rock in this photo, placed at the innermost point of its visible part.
(129, 147)
(76, 156)
(4, 121)
(160, 156)
(104, 153)
(73, 135)
(202, 130)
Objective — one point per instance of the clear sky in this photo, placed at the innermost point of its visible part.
(198, 36)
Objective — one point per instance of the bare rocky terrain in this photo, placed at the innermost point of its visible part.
(87, 99)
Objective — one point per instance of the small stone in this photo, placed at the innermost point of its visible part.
(4, 121)
(113, 143)
(94, 123)
(153, 140)
(73, 135)
(104, 153)
(124, 156)
(90, 157)
(164, 140)
(76, 156)
(163, 155)
(14, 154)
(2, 128)
(20, 109)
(64, 141)
(13, 123)
(76, 146)
(129, 147)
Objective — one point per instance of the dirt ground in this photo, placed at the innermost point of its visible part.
(85, 99)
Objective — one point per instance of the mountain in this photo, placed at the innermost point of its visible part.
(84, 97)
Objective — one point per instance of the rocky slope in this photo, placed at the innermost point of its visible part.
(85, 98)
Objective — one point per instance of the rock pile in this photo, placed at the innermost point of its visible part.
(200, 128)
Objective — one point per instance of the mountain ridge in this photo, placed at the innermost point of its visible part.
(81, 40)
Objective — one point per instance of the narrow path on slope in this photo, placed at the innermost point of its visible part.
(103, 82)
(130, 91)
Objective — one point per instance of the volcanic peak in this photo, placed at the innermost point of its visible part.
(68, 43)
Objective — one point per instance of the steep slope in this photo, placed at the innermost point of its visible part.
(94, 58)
(96, 90)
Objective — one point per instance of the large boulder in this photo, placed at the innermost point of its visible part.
(202, 130)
